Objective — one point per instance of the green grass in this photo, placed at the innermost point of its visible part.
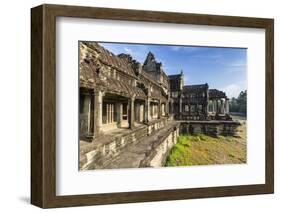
(206, 150)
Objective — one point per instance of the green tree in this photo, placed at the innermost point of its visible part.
(242, 102)
(239, 104)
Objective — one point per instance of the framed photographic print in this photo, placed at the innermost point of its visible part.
(137, 106)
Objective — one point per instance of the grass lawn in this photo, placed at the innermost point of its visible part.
(206, 150)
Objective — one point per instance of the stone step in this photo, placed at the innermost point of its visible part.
(101, 149)
(139, 154)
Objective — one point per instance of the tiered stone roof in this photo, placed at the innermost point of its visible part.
(214, 93)
(195, 88)
(97, 58)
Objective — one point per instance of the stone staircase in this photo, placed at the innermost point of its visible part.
(150, 151)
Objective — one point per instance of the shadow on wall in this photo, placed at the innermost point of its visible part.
(24, 199)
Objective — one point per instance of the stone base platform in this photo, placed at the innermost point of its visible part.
(108, 145)
(150, 152)
(147, 145)
(213, 128)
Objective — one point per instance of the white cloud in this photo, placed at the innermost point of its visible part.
(238, 66)
(238, 63)
(138, 54)
(185, 79)
(128, 51)
(233, 90)
(175, 48)
(207, 56)
(184, 48)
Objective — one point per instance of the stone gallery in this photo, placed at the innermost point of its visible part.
(130, 114)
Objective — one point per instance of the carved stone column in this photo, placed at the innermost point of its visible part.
(217, 106)
(132, 113)
(91, 115)
(159, 110)
(206, 108)
(148, 110)
(222, 107)
(142, 112)
(119, 114)
(97, 112)
(167, 108)
(227, 106)
(172, 106)
(180, 105)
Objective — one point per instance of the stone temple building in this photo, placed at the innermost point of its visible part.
(196, 102)
(130, 114)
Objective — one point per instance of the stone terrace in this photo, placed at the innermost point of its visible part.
(149, 152)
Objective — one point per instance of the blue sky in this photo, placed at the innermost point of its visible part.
(222, 68)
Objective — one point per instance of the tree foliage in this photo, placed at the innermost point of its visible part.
(239, 104)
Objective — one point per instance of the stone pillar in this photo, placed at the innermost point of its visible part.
(167, 108)
(159, 110)
(132, 113)
(107, 113)
(227, 106)
(217, 106)
(213, 106)
(119, 114)
(91, 115)
(97, 112)
(172, 106)
(222, 107)
(147, 110)
(206, 108)
(180, 105)
(136, 111)
(142, 111)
